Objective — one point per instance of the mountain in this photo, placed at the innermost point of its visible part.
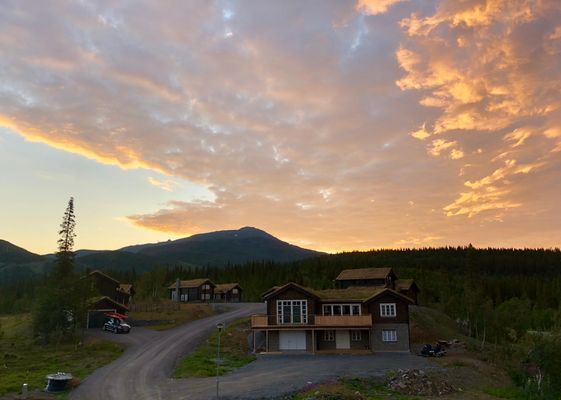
(214, 249)
(223, 247)
(18, 264)
(12, 254)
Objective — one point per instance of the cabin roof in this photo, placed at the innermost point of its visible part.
(192, 283)
(103, 275)
(226, 287)
(364, 274)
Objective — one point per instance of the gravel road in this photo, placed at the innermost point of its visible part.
(143, 371)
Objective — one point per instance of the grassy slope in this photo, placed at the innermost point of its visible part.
(22, 361)
(233, 353)
(167, 319)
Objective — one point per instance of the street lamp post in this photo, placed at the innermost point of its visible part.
(219, 326)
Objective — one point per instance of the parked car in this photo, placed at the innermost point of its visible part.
(116, 325)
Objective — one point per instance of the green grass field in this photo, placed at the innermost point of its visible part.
(23, 361)
(168, 319)
(233, 353)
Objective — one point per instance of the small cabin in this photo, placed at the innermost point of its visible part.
(228, 292)
(194, 290)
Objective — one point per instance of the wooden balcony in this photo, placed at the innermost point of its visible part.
(262, 321)
(343, 320)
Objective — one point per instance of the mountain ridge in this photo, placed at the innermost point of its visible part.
(219, 248)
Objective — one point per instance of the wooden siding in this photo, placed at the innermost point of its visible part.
(401, 308)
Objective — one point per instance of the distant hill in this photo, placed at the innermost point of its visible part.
(206, 249)
(222, 247)
(12, 254)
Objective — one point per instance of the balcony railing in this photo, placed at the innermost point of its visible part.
(320, 321)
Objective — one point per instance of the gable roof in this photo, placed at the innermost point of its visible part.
(193, 283)
(405, 284)
(289, 285)
(364, 273)
(99, 273)
(95, 300)
(226, 287)
(391, 292)
(355, 293)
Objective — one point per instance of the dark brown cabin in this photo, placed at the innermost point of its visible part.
(194, 290)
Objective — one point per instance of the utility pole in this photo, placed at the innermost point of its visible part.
(219, 326)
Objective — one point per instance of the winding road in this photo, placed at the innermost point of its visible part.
(143, 371)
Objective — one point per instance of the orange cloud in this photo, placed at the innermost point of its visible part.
(470, 60)
(373, 7)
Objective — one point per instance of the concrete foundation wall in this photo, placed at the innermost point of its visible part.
(363, 343)
(402, 343)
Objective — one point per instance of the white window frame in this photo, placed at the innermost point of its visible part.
(235, 291)
(281, 304)
(389, 335)
(388, 310)
(206, 286)
(331, 307)
(356, 335)
(328, 336)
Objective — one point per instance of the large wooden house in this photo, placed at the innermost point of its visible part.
(110, 295)
(351, 319)
(377, 277)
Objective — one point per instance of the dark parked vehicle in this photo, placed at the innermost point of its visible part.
(116, 325)
(433, 351)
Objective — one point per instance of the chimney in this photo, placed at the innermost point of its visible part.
(177, 286)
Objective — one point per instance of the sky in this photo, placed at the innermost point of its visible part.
(334, 125)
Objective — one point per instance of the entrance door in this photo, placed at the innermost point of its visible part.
(342, 340)
(292, 340)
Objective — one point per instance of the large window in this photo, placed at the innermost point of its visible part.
(341, 309)
(292, 312)
(387, 310)
(389, 335)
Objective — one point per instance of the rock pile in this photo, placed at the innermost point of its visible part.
(417, 382)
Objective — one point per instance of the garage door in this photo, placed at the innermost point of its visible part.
(292, 340)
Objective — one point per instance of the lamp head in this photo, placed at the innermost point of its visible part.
(219, 326)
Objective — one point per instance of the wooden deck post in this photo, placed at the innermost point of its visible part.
(266, 341)
(313, 341)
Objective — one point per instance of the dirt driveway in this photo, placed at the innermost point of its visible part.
(143, 371)
(275, 375)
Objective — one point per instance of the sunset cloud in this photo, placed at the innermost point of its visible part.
(319, 125)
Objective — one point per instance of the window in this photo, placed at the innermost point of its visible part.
(356, 336)
(205, 296)
(235, 291)
(292, 312)
(387, 310)
(329, 336)
(389, 335)
(182, 297)
(206, 286)
(341, 309)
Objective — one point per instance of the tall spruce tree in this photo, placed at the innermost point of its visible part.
(58, 311)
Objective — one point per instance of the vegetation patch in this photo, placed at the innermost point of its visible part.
(24, 361)
(349, 389)
(233, 353)
(167, 318)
